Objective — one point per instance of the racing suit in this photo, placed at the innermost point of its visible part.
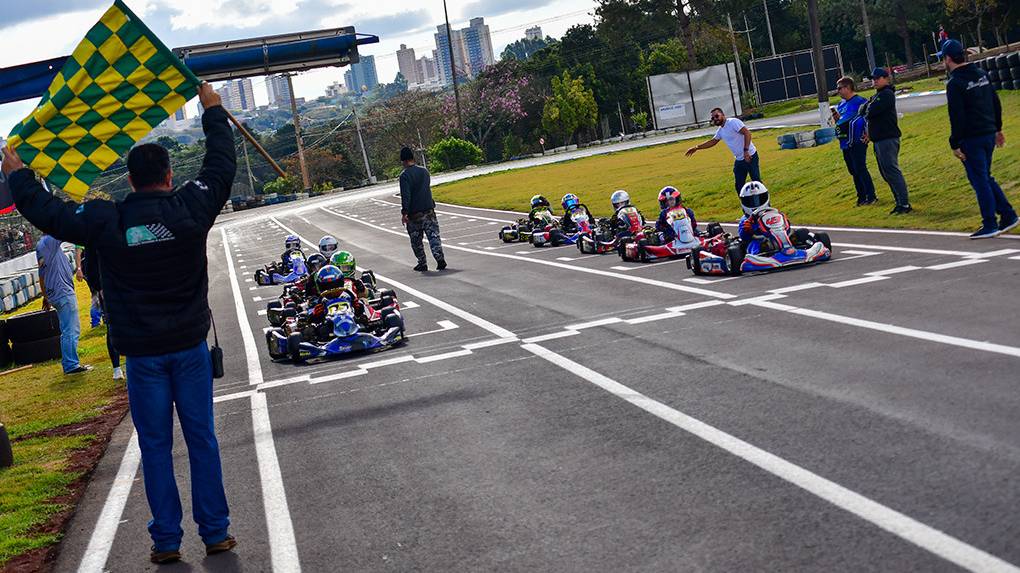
(539, 217)
(751, 234)
(567, 224)
(296, 265)
(627, 220)
(678, 225)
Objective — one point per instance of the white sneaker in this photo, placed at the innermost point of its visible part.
(118, 373)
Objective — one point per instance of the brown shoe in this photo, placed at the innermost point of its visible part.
(226, 545)
(163, 557)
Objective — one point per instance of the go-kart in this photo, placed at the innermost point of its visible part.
(778, 248)
(519, 232)
(293, 302)
(278, 273)
(334, 328)
(553, 235)
(595, 239)
(649, 245)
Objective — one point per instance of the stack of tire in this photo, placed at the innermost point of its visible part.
(1003, 70)
(18, 290)
(805, 139)
(30, 338)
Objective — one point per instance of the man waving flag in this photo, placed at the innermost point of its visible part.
(120, 82)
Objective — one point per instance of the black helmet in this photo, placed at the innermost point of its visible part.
(315, 262)
(539, 201)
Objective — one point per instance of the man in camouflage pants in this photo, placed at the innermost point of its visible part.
(418, 211)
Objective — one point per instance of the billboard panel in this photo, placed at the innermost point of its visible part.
(791, 75)
(687, 98)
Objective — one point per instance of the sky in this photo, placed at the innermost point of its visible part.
(42, 29)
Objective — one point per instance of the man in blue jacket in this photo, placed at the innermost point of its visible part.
(850, 126)
(152, 259)
(975, 120)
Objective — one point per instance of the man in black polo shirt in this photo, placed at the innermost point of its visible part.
(418, 211)
(151, 250)
(975, 119)
(884, 133)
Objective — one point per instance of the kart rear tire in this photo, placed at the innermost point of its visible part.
(294, 347)
(735, 256)
(714, 229)
(824, 239)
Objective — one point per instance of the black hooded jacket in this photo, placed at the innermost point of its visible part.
(974, 107)
(151, 246)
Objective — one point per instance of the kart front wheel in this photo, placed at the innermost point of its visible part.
(695, 261)
(735, 256)
(294, 347)
(272, 344)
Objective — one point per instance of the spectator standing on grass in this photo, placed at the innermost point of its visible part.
(90, 271)
(151, 250)
(884, 133)
(58, 292)
(850, 130)
(418, 211)
(737, 137)
(975, 123)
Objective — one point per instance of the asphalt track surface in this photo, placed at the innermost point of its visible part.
(554, 411)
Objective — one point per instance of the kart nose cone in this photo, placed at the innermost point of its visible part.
(344, 325)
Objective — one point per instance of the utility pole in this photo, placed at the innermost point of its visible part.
(297, 134)
(421, 146)
(750, 46)
(768, 24)
(867, 36)
(819, 64)
(736, 54)
(364, 154)
(623, 126)
(251, 178)
(453, 69)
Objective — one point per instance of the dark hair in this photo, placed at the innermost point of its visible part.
(958, 59)
(148, 164)
(846, 82)
(406, 154)
(717, 109)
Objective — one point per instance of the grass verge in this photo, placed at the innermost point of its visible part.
(811, 103)
(59, 426)
(811, 185)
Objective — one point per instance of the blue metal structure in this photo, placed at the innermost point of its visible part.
(219, 61)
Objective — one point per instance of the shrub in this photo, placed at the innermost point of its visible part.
(453, 153)
(282, 186)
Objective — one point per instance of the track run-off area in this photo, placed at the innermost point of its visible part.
(557, 411)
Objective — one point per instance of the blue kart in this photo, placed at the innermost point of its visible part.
(774, 247)
(338, 326)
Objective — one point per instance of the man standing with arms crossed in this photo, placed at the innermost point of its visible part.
(975, 120)
(738, 139)
(151, 249)
(418, 211)
(884, 133)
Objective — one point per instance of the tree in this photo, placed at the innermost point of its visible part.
(489, 104)
(571, 107)
(168, 142)
(454, 153)
(523, 49)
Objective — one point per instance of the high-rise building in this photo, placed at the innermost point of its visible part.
(237, 95)
(533, 33)
(406, 63)
(478, 46)
(335, 89)
(472, 50)
(279, 90)
(362, 74)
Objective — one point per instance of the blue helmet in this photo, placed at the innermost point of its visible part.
(292, 242)
(329, 278)
(570, 201)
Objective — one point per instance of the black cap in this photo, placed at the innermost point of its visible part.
(406, 154)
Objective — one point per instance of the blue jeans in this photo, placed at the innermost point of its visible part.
(155, 385)
(856, 159)
(70, 330)
(741, 169)
(95, 312)
(990, 198)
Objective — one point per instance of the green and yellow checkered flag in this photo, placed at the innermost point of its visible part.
(120, 82)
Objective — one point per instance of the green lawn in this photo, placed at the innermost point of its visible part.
(38, 399)
(811, 185)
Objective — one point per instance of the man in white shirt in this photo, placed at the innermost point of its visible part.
(737, 137)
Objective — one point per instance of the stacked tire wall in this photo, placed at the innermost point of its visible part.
(1003, 70)
(30, 338)
(18, 290)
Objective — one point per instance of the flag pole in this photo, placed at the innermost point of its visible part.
(258, 147)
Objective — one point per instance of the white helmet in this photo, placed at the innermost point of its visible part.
(619, 199)
(753, 197)
(328, 245)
